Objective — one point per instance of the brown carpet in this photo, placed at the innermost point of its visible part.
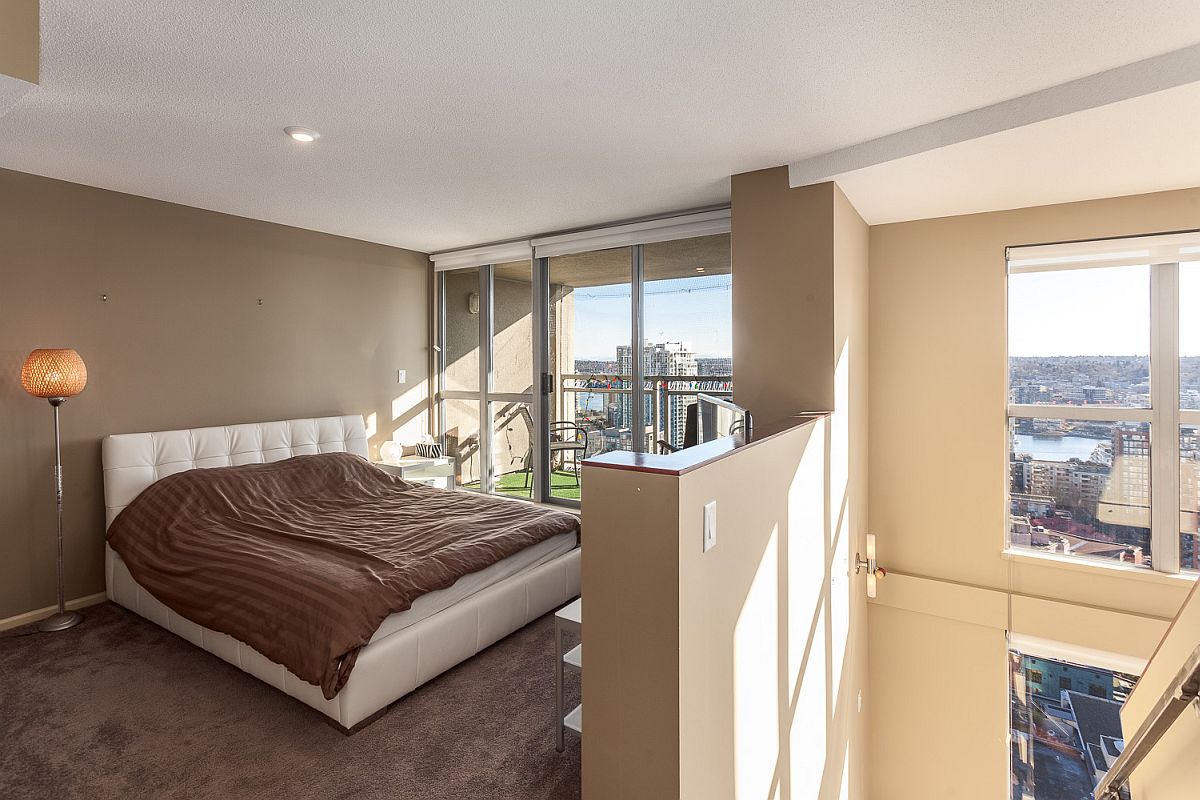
(120, 708)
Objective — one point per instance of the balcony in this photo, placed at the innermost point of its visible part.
(590, 414)
(603, 406)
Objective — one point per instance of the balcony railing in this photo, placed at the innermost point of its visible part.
(609, 422)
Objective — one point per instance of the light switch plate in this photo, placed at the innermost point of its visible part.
(401, 376)
(710, 525)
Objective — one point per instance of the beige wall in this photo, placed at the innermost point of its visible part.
(935, 731)
(782, 244)
(181, 341)
(20, 46)
(772, 642)
(847, 497)
(734, 673)
(765, 635)
(938, 386)
(937, 484)
(631, 622)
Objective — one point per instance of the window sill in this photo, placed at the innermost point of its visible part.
(1183, 580)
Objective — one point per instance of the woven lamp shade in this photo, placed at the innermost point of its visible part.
(54, 373)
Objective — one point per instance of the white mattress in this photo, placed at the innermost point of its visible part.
(429, 604)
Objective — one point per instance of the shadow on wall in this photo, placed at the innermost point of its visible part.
(799, 640)
(406, 415)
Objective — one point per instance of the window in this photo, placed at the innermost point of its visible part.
(1189, 404)
(485, 354)
(591, 402)
(688, 330)
(1063, 742)
(634, 334)
(555, 350)
(1104, 400)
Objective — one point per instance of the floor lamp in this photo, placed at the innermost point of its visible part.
(56, 375)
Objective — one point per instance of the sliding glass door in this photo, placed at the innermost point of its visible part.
(635, 333)
(460, 396)
(510, 385)
(688, 330)
(590, 405)
(545, 361)
(486, 375)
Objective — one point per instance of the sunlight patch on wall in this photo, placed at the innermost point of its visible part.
(841, 588)
(839, 428)
(756, 687)
(414, 397)
(807, 739)
(409, 418)
(805, 549)
(843, 542)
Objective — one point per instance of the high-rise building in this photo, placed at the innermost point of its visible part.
(659, 360)
(715, 366)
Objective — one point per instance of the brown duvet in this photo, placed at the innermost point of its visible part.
(303, 559)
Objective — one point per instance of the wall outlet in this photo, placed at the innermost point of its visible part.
(710, 525)
(401, 376)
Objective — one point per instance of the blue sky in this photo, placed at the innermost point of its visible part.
(1069, 312)
(1103, 311)
(695, 310)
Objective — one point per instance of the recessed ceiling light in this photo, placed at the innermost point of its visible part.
(301, 134)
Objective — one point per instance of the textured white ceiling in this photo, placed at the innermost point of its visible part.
(446, 125)
(1146, 144)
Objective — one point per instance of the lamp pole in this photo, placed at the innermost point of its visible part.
(63, 619)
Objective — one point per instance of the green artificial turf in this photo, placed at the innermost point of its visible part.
(514, 485)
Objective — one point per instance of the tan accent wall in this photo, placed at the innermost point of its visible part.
(772, 643)
(182, 341)
(937, 487)
(631, 626)
(939, 707)
(938, 310)
(20, 44)
(741, 672)
(734, 673)
(783, 249)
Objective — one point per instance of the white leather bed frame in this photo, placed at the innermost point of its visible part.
(389, 667)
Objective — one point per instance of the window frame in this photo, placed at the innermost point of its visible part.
(538, 251)
(485, 395)
(1162, 255)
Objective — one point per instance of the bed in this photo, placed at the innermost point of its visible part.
(439, 630)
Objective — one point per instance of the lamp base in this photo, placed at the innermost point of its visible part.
(60, 622)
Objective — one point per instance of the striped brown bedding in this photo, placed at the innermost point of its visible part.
(303, 559)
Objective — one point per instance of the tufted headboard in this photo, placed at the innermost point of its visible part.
(133, 461)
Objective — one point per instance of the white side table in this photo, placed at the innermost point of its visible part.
(569, 618)
(437, 472)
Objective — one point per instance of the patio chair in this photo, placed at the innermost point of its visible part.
(691, 431)
(568, 440)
